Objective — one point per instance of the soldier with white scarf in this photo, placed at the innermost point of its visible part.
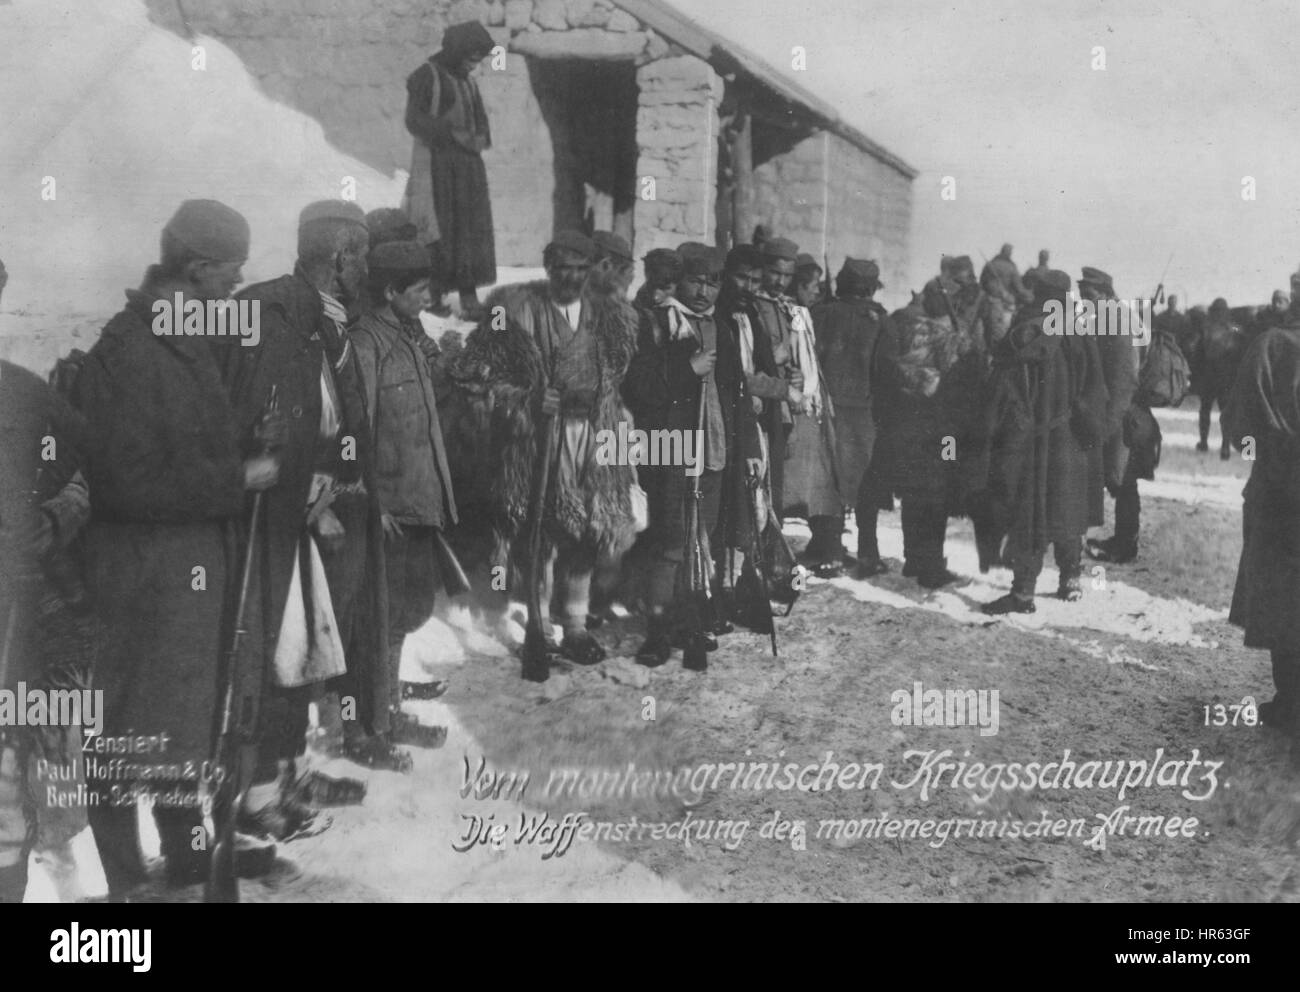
(808, 479)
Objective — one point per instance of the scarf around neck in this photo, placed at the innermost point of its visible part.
(682, 324)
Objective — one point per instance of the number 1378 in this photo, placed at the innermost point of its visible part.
(1219, 715)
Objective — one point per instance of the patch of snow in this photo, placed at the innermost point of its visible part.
(1108, 606)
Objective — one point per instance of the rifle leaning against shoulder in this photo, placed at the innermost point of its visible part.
(225, 780)
(536, 654)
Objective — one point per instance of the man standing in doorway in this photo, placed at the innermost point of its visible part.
(447, 196)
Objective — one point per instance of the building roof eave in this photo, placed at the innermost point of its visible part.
(727, 57)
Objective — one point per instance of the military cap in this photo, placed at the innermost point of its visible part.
(331, 210)
(389, 224)
(666, 261)
(610, 245)
(744, 257)
(1095, 277)
(806, 261)
(574, 241)
(399, 256)
(781, 248)
(858, 275)
(699, 259)
(211, 230)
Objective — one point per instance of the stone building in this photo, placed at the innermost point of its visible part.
(625, 115)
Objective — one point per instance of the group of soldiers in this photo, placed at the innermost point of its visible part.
(179, 494)
(319, 486)
(1215, 340)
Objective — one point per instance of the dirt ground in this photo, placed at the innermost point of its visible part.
(1117, 677)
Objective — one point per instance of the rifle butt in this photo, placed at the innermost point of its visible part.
(454, 579)
(222, 884)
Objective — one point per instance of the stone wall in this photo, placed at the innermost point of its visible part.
(677, 126)
(865, 212)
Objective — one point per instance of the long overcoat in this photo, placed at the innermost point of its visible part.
(165, 472)
(1264, 406)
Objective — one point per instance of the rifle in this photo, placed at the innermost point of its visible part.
(11, 625)
(699, 557)
(454, 580)
(1160, 288)
(226, 765)
(536, 656)
(754, 562)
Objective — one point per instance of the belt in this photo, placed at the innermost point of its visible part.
(578, 405)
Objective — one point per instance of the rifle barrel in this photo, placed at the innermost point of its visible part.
(223, 882)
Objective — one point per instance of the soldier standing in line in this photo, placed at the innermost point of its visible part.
(848, 332)
(168, 477)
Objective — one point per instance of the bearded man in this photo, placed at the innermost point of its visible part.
(553, 352)
(322, 516)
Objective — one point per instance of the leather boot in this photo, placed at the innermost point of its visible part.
(655, 650)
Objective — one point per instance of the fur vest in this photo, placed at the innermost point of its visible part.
(500, 377)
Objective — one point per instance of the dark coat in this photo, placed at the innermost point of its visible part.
(1046, 410)
(767, 386)
(770, 381)
(500, 378)
(663, 393)
(765, 391)
(912, 427)
(1120, 363)
(32, 485)
(1219, 351)
(413, 479)
(465, 254)
(848, 329)
(1265, 405)
(165, 472)
(848, 332)
(296, 337)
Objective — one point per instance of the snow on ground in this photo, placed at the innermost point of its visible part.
(398, 845)
(1109, 606)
